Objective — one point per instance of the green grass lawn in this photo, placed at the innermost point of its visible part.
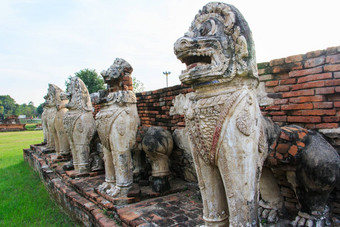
(24, 200)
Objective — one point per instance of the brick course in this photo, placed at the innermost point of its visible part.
(304, 88)
(316, 86)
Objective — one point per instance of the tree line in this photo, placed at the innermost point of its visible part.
(9, 107)
(91, 79)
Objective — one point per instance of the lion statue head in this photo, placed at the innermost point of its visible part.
(119, 80)
(115, 73)
(52, 99)
(78, 96)
(217, 48)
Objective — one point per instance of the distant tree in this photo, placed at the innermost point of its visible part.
(8, 107)
(137, 85)
(90, 78)
(8, 104)
(40, 109)
(1, 111)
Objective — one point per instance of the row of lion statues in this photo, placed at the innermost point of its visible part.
(229, 139)
(71, 130)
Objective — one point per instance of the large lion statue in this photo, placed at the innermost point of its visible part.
(79, 124)
(54, 111)
(229, 137)
(117, 123)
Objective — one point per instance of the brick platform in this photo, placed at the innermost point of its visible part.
(76, 194)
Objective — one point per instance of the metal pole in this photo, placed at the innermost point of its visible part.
(166, 73)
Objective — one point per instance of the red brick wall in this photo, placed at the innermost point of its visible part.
(12, 127)
(154, 106)
(305, 89)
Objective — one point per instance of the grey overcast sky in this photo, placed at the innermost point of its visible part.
(45, 41)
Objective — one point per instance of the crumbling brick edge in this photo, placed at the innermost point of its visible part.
(81, 210)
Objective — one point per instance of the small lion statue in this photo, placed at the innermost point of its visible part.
(117, 123)
(229, 137)
(47, 119)
(79, 124)
(54, 111)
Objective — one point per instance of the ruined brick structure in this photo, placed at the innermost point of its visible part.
(11, 123)
(305, 90)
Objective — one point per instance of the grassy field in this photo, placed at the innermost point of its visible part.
(24, 200)
(31, 127)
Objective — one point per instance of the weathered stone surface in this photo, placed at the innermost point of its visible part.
(317, 174)
(157, 144)
(181, 140)
(270, 191)
(44, 122)
(117, 123)
(52, 121)
(333, 135)
(223, 119)
(79, 124)
(61, 140)
(316, 162)
(48, 116)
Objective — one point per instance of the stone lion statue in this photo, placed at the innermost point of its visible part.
(54, 111)
(79, 124)
(229, 137)
(44, 121)
(117, 123)
(46, 118)
(157, 143)
(223, 118)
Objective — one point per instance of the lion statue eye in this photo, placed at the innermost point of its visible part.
(208, 28)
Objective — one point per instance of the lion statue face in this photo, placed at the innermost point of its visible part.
(78, 95)
(53, 96)
(217, 47)
(119, 69)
